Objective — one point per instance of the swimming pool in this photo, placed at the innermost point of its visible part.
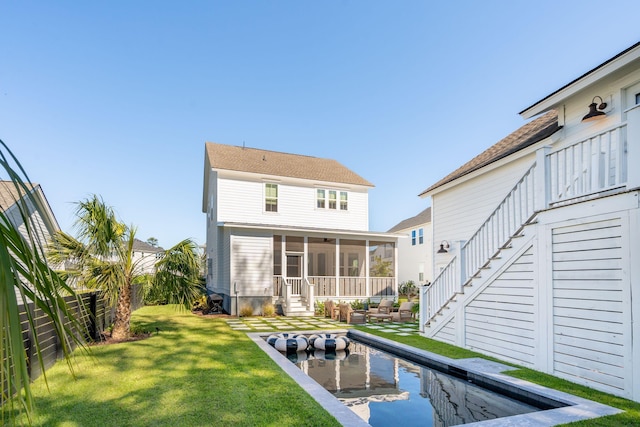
(396, 376)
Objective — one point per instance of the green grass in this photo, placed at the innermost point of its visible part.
(627, 419)
(195, 371)
(198, 371)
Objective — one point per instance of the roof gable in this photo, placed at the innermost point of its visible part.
(532, 132)
(422, 218)
(253, 160)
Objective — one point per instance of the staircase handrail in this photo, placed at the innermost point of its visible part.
(443, 287)
(493, 234)
(513, 212)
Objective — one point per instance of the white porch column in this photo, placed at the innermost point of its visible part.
(542, 181)
(633, 147)
(305, 274)
(366, 269)
(337, 267)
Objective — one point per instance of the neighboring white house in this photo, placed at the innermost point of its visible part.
(288, 229)
(544, 233)
(145, 256)
(41, 220)
(40, 223)
(416, 251)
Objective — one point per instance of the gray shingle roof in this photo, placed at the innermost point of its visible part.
(253, 160)
(532, 132)
(422, 218)
(140, 246)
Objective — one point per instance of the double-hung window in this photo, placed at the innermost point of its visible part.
(343, 201)
(271, 197)
(321, 198)
(413, 237)
(333, 199)
(420, 236)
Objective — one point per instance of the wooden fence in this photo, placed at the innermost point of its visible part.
(91, 310)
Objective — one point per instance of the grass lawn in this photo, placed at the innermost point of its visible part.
(199, 371)
(195, 371)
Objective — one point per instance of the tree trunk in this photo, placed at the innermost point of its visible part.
(122, 324)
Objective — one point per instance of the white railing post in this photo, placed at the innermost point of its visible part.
(633, 147)
(424, 300)
(337, 268)
(542, 185)
(461, 274)
(287, 293)
(311, 304)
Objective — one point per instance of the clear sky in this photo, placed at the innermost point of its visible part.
(117, 98)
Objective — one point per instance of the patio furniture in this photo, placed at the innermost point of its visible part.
(379, 317)
(404, 313)
(349, 315)
(385, 307)
(331, 310)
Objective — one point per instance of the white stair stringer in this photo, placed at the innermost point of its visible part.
(480, 281)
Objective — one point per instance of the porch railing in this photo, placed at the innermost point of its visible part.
(589, 168)
(594, 165)
(348, 287)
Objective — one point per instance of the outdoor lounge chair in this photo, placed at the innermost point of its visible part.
(384, 307)
(330, 309)
(349, 315)
(404, 313)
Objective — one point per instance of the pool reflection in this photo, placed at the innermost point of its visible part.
(383, 389)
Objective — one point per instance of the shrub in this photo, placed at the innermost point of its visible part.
(246, 311)
(408, 288)
(319, 307)
(201, 304)
(357, 305)
(268, 309)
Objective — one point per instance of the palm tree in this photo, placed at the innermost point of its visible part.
(26, 276)
(103, 259)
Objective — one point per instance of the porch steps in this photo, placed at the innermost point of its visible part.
(297, 308)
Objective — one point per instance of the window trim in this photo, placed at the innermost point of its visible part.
(268, 198)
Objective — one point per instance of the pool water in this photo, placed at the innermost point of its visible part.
(387, 390)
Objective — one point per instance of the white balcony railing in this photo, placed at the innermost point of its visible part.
(589, 168)
(595, 165)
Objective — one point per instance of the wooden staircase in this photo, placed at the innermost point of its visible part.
(495, 242)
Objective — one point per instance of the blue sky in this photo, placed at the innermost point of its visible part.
(118, 98)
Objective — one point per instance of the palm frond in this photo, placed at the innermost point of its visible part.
(25, 276)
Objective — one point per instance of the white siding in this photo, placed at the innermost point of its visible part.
(500, 320)
(242, 201)
(460, 211)
(589, 299)
(411, 257)
(448, 332)
(252, 264)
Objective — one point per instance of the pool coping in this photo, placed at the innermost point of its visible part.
(481, 371)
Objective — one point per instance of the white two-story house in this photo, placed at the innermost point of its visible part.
(415, 251)
(544, 237)
(290, 229)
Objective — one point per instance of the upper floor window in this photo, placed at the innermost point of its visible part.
(413, 237)
(321, 199)
(420, 236)
(333, 199)
(271, 197)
